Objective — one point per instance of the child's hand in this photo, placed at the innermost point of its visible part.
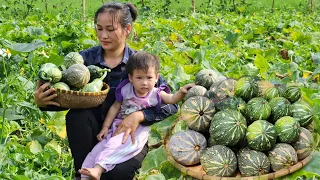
(103, 133)
(186, 88)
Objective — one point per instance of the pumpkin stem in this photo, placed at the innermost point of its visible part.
(197, 148)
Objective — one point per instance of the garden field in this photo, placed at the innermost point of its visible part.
(238, 40)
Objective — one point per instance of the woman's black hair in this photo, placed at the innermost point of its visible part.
(124, 13)
(142, 61)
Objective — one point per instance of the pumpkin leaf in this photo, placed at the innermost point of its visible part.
(28, 47)
(153, 159)
(261, 63)
(34, 147)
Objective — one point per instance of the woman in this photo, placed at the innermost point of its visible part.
(113, 23)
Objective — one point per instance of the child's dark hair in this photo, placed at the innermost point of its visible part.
(124, 13)
(142, 61)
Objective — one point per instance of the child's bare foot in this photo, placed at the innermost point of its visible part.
(94, 173)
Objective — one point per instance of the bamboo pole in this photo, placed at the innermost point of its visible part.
(83, 10)
(272, 8)
(46, 6)
(193, 6)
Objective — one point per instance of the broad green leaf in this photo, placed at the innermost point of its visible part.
(261, 63)
(27, 105)
(156, 177)
(34, 147)
(57, 123)
(177, 25)
(169, 171)
(154, 159)
(180, 126)
(54, 145)
(10, 114)
(165, 125)
(231, 37)
(28, 47)
(40, 136)
(250, 70)
(154, 137)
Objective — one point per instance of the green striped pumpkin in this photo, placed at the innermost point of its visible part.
(218, 160)
(280, 107)
(246, 88)
(253, 163)
(208, 77)
(235, 103)
(282, 156)
(303, 112)
(73, 58)
(312, 127)
(271, 93)
(77, 75)
(197, 111)
(292, 93)
(196, 91)
(185, 146)
(261, 135)
(303, 146)
(281, 89)
(228, 127)
(263, 86)
(258, 108)
(287, 129)
(223, 90)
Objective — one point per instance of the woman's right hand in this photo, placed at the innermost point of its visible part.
(44, 96)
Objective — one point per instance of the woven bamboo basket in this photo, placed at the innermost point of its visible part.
(198, 172)
(79, 100)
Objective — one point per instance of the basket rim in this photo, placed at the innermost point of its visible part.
(79, 93)
(272, 175)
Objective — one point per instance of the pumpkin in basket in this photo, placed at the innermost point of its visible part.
(185, 146)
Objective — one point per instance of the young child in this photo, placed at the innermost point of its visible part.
(133, 94)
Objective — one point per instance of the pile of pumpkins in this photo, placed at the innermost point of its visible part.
(250, 125)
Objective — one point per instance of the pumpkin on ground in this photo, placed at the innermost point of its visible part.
(196, 91)
(228, 127)
(303, 112)
(208, 77)
(218, 160)
(261, 135)
(292, 93)
(185, 146)
(258, 108)
(223, 90)
(287, 129)
(282, 156)
(253, 163)
(271, 93)
(246, 88)
(280, 107)
(263, 86)
(235, 103)
(303, 145)
(197, 111)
